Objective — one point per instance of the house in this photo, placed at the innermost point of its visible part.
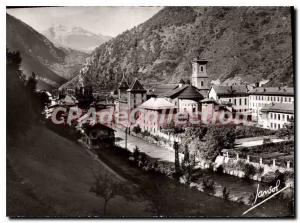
(129, 98)
(213, 111)
(136, 94)
(159, 90)
(98, 136)
(186, 99)
(155, 114)
(276, 115)
(238, 95)
(261, 96)
(69, 100)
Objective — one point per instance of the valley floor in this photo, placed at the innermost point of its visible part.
(50, 175)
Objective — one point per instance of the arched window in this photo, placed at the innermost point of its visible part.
(201, 68)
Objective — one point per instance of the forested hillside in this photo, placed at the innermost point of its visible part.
(253, 43)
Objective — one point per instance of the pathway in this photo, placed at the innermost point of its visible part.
(150, 149)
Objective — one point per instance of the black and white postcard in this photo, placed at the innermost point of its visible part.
(150, 112)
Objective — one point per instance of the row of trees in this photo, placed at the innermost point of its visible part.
(207, 142)
(23, 103)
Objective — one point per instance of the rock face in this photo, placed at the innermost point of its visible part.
(53, 65)
(251, 43)
(75, 38)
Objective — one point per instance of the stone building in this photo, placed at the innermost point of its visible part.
(199, 77)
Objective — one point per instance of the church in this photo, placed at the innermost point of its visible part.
(185, 95)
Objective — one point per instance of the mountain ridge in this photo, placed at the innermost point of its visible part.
(252, 43)
(76, 37)
(54, 66)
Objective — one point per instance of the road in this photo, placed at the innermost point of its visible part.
(150, 149)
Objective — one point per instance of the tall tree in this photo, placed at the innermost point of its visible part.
(106, 188)
(217, 138)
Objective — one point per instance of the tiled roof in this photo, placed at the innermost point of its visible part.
(161, 89)
(200, 61)
(136, 86)
(272, 91)
(231, 90)
(157, 104)
(185, 92)
(209, 100)
(279, 107)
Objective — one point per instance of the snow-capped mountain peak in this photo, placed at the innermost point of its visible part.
(75, 37)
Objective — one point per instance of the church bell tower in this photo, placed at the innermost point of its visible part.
(199, 76)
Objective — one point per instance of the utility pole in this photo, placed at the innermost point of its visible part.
(177, 164)
(126, 138)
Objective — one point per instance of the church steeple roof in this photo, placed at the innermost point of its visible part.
(136, 86)
(123, 84)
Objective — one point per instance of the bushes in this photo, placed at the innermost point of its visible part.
(136, 154)
(251, 131)
(146, 133)
(217, 138)
(282, 147)
(137, 129)
(249, 170)
(209, 186)
(225, 194)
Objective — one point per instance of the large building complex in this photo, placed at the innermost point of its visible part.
(262, 96)
(266, 107)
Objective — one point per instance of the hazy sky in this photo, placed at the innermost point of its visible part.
(105, 20)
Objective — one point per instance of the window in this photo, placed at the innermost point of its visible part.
(283, 117)
(271, 125)
(194, 109)
(201, 68)
(275, 126)
(245, 101)
(290, 99)
(240, 101)
(229, 99)
(271, 115)
(234, 102)
(275, 116)
(202, 84)
(278, 116)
